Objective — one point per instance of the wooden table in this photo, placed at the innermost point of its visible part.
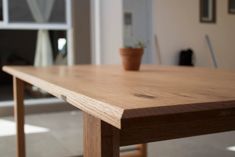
(124, 108)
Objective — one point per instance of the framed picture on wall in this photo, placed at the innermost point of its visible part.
(208, 11)
(128, 18)
(231, 6)
(1, 11)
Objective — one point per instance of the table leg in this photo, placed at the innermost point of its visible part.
(141, 151)
(19, 115)
(100, 138)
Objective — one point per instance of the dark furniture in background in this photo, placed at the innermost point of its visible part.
(186, 58)
(17, 47)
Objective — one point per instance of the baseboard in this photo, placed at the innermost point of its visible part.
(36, 106)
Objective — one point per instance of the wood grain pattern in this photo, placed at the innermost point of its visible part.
(100, 138)
(177, 126)
(114, 96)
(19, 115)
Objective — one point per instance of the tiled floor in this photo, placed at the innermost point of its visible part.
(64, 139)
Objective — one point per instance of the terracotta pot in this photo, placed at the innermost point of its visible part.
(131, 58)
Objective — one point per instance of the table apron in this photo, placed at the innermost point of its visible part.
(185, 126)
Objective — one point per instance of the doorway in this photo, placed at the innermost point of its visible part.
(138, 27)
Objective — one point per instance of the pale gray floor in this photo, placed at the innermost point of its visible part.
(65, 140)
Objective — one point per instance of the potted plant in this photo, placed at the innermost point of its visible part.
(131, 56)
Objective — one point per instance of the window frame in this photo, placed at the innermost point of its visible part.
(5, 24)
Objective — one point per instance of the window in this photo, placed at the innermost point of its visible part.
(36, 14)
(31, 17)
(23, 10)
(51, 15)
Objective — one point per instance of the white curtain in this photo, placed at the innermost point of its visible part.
(41, 11)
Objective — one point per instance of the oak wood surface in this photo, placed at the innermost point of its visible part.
(100, 138)
(103, 140)
(19, 115)
(115, 96)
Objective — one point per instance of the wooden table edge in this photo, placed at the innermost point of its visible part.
(109, 113)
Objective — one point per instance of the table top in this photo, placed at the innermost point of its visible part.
(114, 95)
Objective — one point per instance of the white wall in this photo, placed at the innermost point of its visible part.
(177, 27)
(110, 30)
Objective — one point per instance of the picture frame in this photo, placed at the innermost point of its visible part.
(208, 11)
(1, 11)
(231, 6)
(128, 18)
